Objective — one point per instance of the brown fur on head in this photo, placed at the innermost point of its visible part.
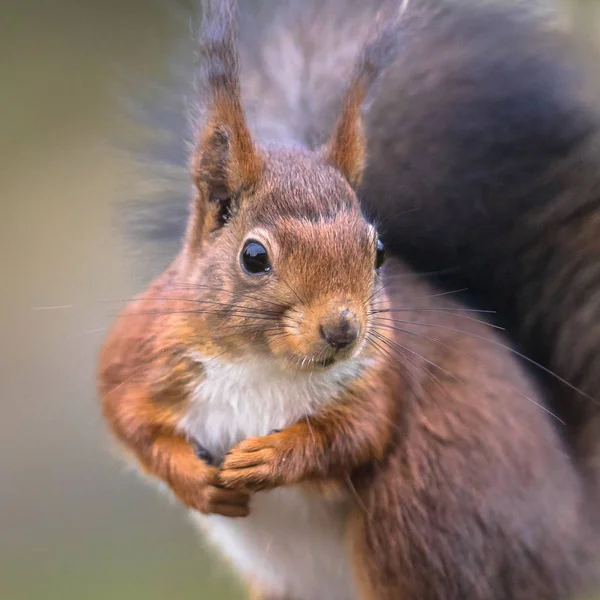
(309, 306)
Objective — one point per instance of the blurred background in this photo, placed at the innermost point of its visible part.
(74, 523)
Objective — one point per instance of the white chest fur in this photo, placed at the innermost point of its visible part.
(293, 541)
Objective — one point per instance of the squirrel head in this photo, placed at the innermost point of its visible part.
(280, 258)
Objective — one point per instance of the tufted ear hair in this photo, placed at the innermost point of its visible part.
(225, 161)
(346, 148)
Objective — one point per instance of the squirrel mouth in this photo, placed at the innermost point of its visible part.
(314, 363)
(324, 363)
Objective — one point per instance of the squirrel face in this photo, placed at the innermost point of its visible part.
(289, 271)
(278, 253)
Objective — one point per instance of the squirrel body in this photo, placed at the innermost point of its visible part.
(340, 428)
(463, 439)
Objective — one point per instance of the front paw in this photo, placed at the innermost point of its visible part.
(260, 463)
(206, 494)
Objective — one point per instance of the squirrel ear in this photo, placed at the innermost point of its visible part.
(225, 161)
(346, 148)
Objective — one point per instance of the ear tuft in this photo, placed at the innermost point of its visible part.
(346, 149)
(226, 161)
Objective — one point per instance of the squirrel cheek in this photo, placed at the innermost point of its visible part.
(299, 336)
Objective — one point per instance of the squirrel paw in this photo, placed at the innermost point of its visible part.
(259, 463)
(210, 497)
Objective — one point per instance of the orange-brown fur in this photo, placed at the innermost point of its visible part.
(143, 386)
(440, 439)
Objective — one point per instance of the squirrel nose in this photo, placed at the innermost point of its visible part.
(341, 331)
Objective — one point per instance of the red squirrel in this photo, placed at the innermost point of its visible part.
(291, 388)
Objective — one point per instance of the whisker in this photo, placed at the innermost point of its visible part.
(479, 364)
(431, 376)
(407, 211)
(199, 312)
(246, 326)
(394, 364)
(186, 285)
(58, 307)
(441, 294)
(505, 347)
(134, 374)
(216, 303)
(180, 285)
(443, 311)
(400, 348)
(302, 301)
(378, 290)
(421, 274)
(356, 496)
(448, 310)
(237, 308)
(415, 353)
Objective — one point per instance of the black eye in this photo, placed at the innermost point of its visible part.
(379, 254)
(254, 258)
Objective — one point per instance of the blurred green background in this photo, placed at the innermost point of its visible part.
(74, 523)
